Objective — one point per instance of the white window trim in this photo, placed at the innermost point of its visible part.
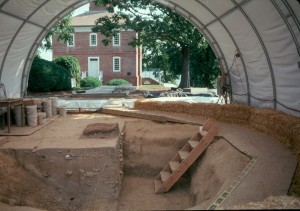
(114, 68)
(91, 34)
(73, 41)
(119, 44)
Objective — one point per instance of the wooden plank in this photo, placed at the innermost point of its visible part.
(200, 128)
(183, 154)
(208, 124)
(203, 133)
(189, 160)
(174, 165)
(164, 175)
(193, 143)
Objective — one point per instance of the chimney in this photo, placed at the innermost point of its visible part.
(93, 7)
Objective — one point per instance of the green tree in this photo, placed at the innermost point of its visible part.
(155, 24)
(160, 57)
(47, 76)
(71, 64)
(204, 67)
(61, 29)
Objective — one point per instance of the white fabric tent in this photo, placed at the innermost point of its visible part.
(264, 34)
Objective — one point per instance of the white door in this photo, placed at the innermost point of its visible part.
(94, 67)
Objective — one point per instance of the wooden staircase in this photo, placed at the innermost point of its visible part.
(185, 157)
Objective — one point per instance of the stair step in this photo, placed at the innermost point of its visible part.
(183, 154)
(157, 185)
(200, 128)
(164, 175)
(203, 133)
(184, 158)
(193, 144)
(174, 165)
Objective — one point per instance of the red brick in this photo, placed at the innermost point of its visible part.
(82, 50)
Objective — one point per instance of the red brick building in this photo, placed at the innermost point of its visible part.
(117, 60)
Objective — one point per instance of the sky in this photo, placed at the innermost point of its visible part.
(48, 54)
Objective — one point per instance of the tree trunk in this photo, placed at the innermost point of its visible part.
(165, 76)
(185, 72)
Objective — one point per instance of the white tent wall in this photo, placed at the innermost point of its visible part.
(266, 46)
(21, 8)
(264, 33)
(15, 69)
(51, 9)
(6, 33)
(252, 49)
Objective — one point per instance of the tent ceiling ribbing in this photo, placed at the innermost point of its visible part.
(264, 34)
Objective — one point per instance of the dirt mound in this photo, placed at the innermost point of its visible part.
(101, 130)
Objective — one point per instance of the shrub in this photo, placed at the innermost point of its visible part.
(90, 82)
(46, 76)
(71, 64)
(117, 82)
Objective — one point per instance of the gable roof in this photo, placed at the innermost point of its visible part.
(88, 18)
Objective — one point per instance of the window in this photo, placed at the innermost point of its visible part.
(93, 39)
(117, 40)
(117, 64)
(71, 41)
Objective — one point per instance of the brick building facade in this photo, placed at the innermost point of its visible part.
(117, 60)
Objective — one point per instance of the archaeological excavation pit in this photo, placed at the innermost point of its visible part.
(112, 166)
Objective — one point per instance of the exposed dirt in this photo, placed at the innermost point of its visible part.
(215, 172)
(148, 146)
(19, 187)
(279, 202)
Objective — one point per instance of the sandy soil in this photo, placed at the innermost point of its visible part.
(279, 202)
(148, 146)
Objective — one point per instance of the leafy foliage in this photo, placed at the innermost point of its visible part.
(161, 58)
(117, 82)
(62, 29)
(47, 76)
(168, 39)
(90, 82)
(71, 64)
(204, 68)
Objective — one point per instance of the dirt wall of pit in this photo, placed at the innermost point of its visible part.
(282, 127)
(19, 188)
(61, 179)
(215, 171)
(149, 145)
(147, 150)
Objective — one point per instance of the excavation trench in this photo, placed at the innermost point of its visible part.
(55, 173)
